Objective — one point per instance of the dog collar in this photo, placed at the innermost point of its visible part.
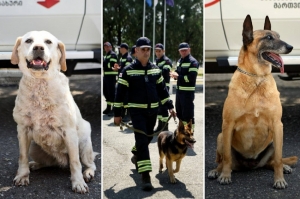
(246, 73)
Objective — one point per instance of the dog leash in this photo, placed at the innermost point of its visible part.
(142, 132)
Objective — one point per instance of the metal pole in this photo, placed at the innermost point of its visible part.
(165, 21)
(144, 18)
(153, 46)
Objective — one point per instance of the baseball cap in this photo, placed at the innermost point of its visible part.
(183, 46)
(143, 42)
(159, 46)
(132, 50)
(107, 44)
(123, 45)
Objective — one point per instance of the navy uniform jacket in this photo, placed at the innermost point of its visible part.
(145, 87)
(125, 60)
(187, 69)
(165, 65)
(109, 61)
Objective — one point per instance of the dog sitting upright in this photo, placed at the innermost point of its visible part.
(252, 131)
(50, 127)
(174, 147)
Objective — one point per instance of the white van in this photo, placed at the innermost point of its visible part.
(75, 22)
(224, 24)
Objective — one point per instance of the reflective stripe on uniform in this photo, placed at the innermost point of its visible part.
(118, 105)
(113, 60)
(159, 80)
(164, 100)
(193, 69)
(186, 88)
(162, 63)
(124, 82)
(134, 105)
(186, 79)
(167, 67)
(109, 103)
(133, 148)
(163, 119)
(153, 71)
(144, 165)
(111, 73)
(185, 65)
(135, 72)
(168, 84)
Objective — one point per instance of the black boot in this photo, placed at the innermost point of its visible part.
(159, 126)
(134, 161)
(111, 112)
(107, 110)
(146, 182)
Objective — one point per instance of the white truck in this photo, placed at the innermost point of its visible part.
(224, 24)
(77, 23)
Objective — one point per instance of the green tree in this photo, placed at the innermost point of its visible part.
(123, 22)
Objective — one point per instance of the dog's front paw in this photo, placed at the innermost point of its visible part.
(172, 179)
(287, 169)
(280, 184)
(20, 180)
(222, 179)
(80, 187)
(213, 174)
(88, 175)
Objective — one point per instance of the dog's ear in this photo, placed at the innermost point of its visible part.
(247, 32)
(62, 61)
(180, 126)
(14, 56)
(267, 25)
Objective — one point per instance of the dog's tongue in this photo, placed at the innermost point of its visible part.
(190, 145)
(279, 59)
(37, 62)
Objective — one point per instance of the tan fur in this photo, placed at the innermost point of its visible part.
(252, 117)
(50, 126)
(183, 132)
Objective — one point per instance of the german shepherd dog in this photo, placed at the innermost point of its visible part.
(174, 147)
(252, 131)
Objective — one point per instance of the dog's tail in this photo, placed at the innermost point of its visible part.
(291, 161)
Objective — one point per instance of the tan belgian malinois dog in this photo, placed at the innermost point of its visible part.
(252, 131)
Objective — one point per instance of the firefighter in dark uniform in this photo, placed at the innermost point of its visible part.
(165, 65)
(109, 77)
(186, 75)
(146, 88)
(124, 61)
(132, 52)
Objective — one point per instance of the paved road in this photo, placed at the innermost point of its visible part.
(47, 182)
(120, 180)
(255, 183)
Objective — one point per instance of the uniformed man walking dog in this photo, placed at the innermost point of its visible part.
(186, 75)
(146, 88)
(165, 65)
(109, 77)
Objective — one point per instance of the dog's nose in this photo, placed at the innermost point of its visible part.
(289, 47)
(38, 48)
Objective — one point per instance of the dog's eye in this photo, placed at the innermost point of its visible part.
(28, 41)
(48, 42)
(269, 37)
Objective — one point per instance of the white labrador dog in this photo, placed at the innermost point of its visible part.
(50, 127)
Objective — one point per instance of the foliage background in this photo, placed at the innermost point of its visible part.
(123, 23)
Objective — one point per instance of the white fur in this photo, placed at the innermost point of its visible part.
(50, 126)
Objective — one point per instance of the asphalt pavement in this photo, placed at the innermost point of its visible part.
(254, 183)
(120, 180)
(48, 182)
